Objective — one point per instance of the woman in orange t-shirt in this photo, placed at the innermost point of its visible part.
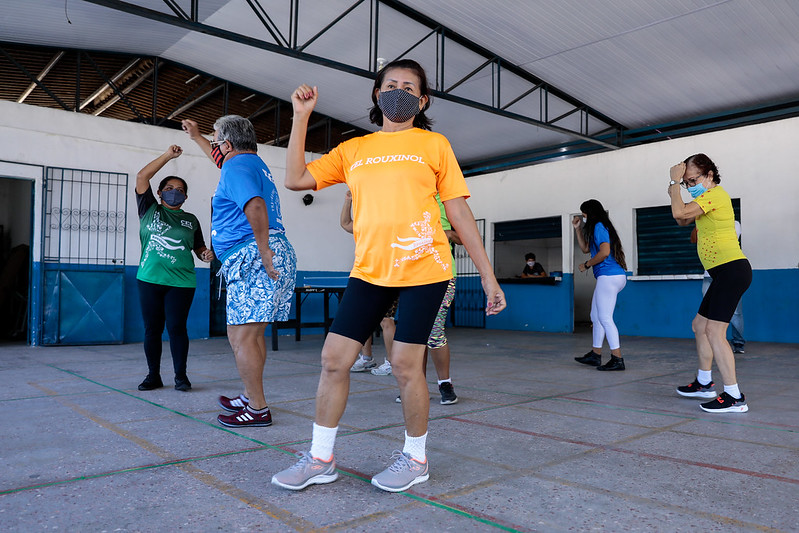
(401, 250)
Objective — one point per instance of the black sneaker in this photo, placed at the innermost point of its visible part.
(738, 348)
(591, 358)
(615, 363)
(151, 382)
(726, 404)
(697, 390)
(182, 383)
(448, 395)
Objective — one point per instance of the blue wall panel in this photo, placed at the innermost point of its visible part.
(537, 307)
(199, 314)
(645, 308)
(666, 308)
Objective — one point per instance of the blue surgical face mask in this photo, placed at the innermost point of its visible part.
(398, 105)
(173, 197)
(697, 190)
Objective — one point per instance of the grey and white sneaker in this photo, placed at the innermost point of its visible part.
(383, 370)
(402, 475)
(307, 471)
(363, 363)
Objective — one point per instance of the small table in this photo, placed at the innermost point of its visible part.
(301, 294)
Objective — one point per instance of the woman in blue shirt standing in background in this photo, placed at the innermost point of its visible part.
(597, 236)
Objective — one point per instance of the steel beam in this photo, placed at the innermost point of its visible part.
(544, 90)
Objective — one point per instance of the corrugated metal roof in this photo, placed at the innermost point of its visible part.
(623, 63)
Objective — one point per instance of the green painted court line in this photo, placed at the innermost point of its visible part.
(123, 471)
(265, 445)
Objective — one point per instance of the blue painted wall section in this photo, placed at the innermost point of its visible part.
(666, 308)
(199, 314)
(537, 307)
(645, 308)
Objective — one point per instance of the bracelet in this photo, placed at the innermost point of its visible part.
(586, 265)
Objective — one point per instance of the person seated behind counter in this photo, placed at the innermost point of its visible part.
(532, 269)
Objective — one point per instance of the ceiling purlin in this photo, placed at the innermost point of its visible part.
(442, 32)
(34, 80)
(105, 86)
(116, 89)
(40, 77)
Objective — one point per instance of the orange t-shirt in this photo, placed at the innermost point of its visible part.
(394, 178)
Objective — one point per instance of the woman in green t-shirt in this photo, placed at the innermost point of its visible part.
(166, 275)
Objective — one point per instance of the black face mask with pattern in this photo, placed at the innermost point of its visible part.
(398, 105)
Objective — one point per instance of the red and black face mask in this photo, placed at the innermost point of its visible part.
(216, 154)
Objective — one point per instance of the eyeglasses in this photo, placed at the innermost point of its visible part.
(214, 144)
(693, 181)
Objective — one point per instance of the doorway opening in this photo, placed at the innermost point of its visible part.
(16, 234)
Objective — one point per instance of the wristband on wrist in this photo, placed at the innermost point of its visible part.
(586, 265)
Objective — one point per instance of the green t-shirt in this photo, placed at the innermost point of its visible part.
(168, 238)
(447, 227)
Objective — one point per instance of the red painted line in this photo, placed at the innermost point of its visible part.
(711, 466)
(666, 411)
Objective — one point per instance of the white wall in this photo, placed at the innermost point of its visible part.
(49, 137)
(757, 163)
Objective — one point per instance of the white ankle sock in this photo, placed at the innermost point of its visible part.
(415, 447)
(704, 376)
(322, 442)
(448, 380)
(733, 391)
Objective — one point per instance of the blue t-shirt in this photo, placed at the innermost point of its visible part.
(608, 267)
(244, 177)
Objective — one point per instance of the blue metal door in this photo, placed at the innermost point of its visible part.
(468, 308)
(83, 252)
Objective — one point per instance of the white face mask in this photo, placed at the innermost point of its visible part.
(585, 220)
(530, 263)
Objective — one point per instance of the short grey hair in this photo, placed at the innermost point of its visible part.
(238, 131)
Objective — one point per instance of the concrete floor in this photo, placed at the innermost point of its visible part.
(537, 443)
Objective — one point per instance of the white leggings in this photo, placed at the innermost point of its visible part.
(602, 306)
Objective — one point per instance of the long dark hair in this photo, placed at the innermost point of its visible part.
(595, 214)
(420, 120)
(705, 165)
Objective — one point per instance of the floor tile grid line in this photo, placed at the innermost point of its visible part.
(191, 469)
(666, 458)
(726, 521)
(265, 445)
(535, 472)
(762, 425)
(685, 432)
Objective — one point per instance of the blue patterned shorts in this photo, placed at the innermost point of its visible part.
(438, 337)
(252, 296)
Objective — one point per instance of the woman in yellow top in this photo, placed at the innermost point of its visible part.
(731, 273)
(401, 250)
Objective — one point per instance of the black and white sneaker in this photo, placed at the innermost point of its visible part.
(726, 404)
(448, 396)
(697, 390)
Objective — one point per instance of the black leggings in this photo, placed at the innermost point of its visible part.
(161, 304)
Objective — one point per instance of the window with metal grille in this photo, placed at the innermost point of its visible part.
(663, 247)
(84, 217)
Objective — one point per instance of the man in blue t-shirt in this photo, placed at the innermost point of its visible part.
(258, 262)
